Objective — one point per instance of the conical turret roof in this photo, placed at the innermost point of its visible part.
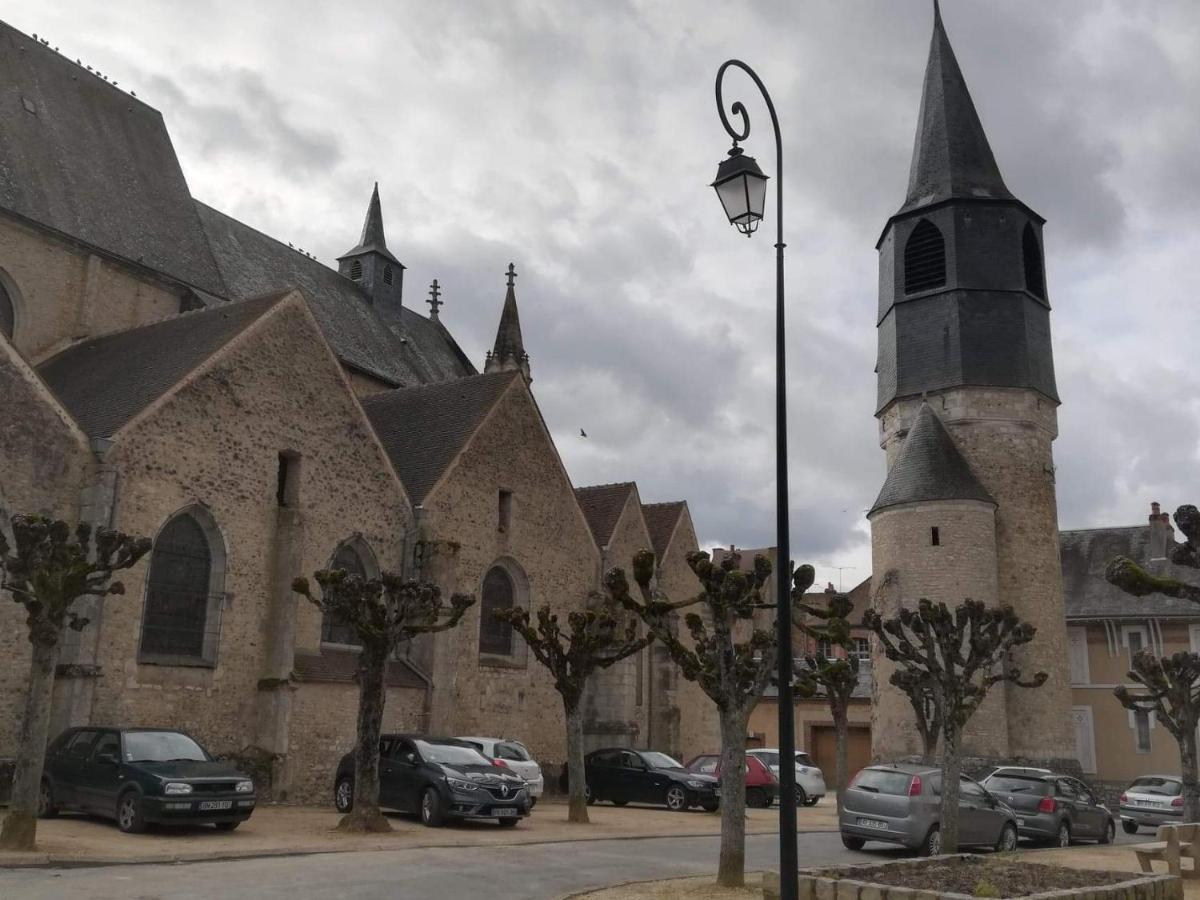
(372, 240)
(951, 154)
(930, 467)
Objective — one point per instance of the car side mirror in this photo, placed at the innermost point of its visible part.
(107, 758)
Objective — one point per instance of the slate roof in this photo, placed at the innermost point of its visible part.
(373, 240)
(405, 350)
(929, 467)
(951, 154)
(602, 505)
(509, 346)
(1085, 554)
(424, 428)
(86, 159)
(340, 667)
(106, 381)
(661, 519)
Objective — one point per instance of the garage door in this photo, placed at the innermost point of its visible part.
(824, 751)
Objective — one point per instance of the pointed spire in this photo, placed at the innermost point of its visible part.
(951, 154)
(373, 239)
(508, 353)
(929, 467)
(434, 301)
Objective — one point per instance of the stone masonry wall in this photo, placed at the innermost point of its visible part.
(548, 543)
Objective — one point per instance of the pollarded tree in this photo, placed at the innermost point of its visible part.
(1133, 579)
(596, 639)
(730, 660)
(384, 612)
(954, 657)
(929, 719)
(1171, 693)
(47, 571)
(819, 675)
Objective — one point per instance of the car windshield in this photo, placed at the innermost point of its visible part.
(1014, 784)
(883, 781)
(451, 754)
(162, 746)
(660, 761)
(1164, 787)
(803, 759)
(771, 759)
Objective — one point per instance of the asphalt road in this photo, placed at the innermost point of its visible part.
(530, 872)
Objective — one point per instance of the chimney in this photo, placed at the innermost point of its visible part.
(1162, 535)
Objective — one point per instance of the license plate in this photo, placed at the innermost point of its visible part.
(873, 823)
(505, 811)
(216, 804)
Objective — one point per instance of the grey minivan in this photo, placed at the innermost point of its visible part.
(899, 804)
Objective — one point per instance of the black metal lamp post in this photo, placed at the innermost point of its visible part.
(742, 187)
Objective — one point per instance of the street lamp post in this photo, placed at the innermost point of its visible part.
(742, 188)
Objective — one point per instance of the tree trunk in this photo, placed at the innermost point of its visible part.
(731, 870)
(841, 724)
(576, 776)
(372, 662)
(19, 831)
(929, 741)
(1191, 782)
(951, 772)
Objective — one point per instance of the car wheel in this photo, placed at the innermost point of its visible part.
(431, 808)
(932, 845)
(46, 807)
(227, 826)
(1130, 827)
(757, 798)
(1064, 835)
(508, 822)
(711, 806)
(850, 842)
(129, 813)
(620, 802)
(1110, 832)
(1007, 841)
(343, 795)
(677, 799)
(588, 795)
(812, 801)
(801, 797)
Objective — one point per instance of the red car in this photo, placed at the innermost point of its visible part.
(761, 786)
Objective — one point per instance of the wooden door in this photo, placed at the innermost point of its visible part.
(824, 751)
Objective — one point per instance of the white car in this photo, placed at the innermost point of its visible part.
(810, 782)
(511, 755)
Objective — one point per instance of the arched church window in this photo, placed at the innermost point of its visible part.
(1035, 275)
(8, 312)
(181, 621)
(498, 594)
(356, 270)
(924, 258)
(387, 274)
(334, 629)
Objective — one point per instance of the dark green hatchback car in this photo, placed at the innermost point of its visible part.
(142, 776)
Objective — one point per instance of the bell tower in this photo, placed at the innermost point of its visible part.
(371, 265)
(967, 410)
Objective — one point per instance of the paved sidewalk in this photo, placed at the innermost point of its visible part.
(286, 830)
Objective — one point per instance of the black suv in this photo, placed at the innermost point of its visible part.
(622, 776)
(141, 776)
(1055, 809)
(439, 779)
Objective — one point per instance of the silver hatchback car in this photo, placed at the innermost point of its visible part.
(900, 804)
(1152, 800)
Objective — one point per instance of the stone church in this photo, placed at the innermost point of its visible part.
(170, 371)
(967, 416)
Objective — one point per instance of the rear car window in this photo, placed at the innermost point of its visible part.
(515, 752)
(1166, 787)
(882, 781)
(81, 744)
(1012, 784)
(804, 759)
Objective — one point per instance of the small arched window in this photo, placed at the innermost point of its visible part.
(334, 629)
(387, 274)
(356, 270)
(1035, 274)
(181, 622)
(924, 258)
(498, 594)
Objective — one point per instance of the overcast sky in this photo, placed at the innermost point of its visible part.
(577, 139)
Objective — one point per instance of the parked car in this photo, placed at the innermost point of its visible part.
(621, 775)
(142, 776)
(1152, 800)
(762, 787)
(1012, 770)
(438, 779)
(510, 754)
(810, 782)
(901, 804)
(1055, 809)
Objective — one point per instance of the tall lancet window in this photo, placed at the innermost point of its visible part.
(1035, 274)
(924, 258)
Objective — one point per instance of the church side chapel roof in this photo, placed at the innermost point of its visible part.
(661, 519)
(106, 381)
(951, 154)
(84, 158)
(1085, 554)
(930, 467)
(423, 429)
(405, 350)
(602, 505)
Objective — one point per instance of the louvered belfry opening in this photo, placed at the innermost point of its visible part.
(1035, 276)
(356, 270)
(924, 258)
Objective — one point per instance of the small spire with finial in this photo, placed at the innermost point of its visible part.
(434, 303)
(512, 273)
